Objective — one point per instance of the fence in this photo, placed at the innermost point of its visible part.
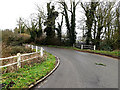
(92, 47)
(18, 57)
(36, 48)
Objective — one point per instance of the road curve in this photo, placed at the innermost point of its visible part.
(78, 70)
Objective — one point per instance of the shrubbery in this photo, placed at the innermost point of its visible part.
(10, 38)
(12, 43)
(13, 50)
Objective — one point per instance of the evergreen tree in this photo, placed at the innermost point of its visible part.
(50, 23)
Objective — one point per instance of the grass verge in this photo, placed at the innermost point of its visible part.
(115, 53)
(26, 76)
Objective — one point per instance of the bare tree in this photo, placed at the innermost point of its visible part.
(103, 17)
(89, 9)
(70, 24)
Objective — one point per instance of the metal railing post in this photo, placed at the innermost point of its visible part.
(18, 60)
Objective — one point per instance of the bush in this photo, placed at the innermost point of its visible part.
(20, 49)
(13, 50)
(12, 39)
(40, 41)
(106, 45)
(52, 41)
(25, 37)
(12, 43)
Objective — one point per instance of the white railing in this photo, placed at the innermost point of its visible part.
(18, 57)
(36, 48)
(88, 47)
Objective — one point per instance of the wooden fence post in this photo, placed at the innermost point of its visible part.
(25, 45)
(73, 45)
(41, 52)
(81, 46)
(36, 48)
(18, 60)
(32, 47)
(94, 47)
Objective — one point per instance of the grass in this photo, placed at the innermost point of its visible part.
(26, 76)
(115, 53)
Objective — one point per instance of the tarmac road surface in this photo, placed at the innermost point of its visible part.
(79, 70)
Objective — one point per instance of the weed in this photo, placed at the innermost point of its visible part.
(100, 64)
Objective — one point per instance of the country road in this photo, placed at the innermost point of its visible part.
(78, 70)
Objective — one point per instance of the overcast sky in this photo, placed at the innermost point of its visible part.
(11, 10)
